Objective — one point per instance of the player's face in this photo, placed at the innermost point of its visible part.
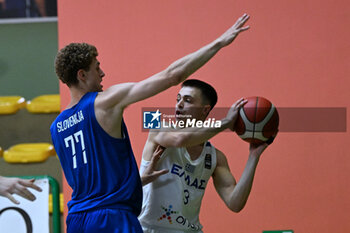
(94, 76)
(189, 104)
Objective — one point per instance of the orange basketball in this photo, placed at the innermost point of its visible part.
(257, 121)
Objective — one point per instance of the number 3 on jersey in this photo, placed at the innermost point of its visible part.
(70, 141)
(186, 196)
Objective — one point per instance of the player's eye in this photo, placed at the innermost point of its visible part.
(188, 100)
(178, 99)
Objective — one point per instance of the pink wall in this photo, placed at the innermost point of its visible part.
(295, 54)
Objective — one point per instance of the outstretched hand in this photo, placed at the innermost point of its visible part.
(9, 186)
(150, 174)
(233, 31)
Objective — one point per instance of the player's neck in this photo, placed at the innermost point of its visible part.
(195, 151)
(76, 94)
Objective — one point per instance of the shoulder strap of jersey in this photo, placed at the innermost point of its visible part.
(208, 158)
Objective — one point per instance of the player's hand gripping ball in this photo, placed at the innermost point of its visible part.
(257, 121)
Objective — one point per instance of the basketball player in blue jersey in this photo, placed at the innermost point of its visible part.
(171, 203)
(91, 139)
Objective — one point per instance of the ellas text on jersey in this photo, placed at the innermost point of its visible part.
(190, 181)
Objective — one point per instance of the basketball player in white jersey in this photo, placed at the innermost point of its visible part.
(175, 178)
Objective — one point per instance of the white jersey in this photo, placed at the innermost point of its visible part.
(172, 202)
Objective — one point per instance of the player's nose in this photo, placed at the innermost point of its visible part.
(102, 74)
(180, 104)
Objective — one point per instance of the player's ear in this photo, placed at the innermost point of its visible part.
(81, 75)
(206, 109)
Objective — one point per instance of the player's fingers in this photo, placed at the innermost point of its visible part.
(11, 198)
(156, 156)
(242, 17)
(160, 149)
(244, 28)
(161, 172)
(30, 184)
(242, 103)
(239, 103)
(25, 193)
(238, 21)
(246, 17)
(243, 20)
(157, 153)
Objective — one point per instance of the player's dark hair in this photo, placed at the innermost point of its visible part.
(208, 92)
(71, 59)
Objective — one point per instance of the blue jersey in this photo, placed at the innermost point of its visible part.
(101, 169)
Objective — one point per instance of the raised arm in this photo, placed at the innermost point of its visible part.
(126, 94)
(110, 104)
(235, 195)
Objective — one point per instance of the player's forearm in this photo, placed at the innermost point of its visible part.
(178, 71)
(173, 75)
(190, 136)
(242, 190)
(195, 136)
(184, 67)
